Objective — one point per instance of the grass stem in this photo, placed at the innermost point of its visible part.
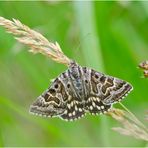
(135, 119)
(91, 50)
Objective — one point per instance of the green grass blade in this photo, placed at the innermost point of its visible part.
(91, 50)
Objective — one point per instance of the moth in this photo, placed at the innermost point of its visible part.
(75, 92)
(144, 65)
(80, 90)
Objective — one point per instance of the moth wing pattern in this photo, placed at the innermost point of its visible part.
(95, 106)
(74, 109)
(109, 89)
(58, 100)
(50, 103)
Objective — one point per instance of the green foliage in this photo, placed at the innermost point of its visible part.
(111, 37)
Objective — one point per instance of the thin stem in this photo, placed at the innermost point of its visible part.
(91, 49)
(135, 119)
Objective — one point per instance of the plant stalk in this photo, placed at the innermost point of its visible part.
(91, 50)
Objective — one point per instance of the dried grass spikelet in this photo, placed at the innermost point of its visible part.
(131, 126)
(33, 39)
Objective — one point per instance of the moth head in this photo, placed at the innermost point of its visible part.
(73, 63)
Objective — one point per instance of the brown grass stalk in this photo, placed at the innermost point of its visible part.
(34, 40)
(131, 126)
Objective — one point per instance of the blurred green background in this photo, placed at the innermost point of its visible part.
(111, 37)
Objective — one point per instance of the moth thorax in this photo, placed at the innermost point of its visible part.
(74, 70)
